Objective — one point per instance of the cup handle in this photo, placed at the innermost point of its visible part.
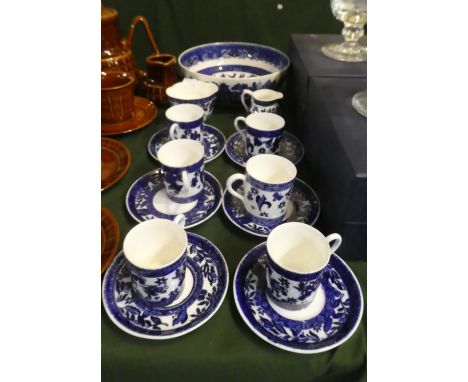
(236, 123)
(336, 239)
(229, 183)
(243, 100)
(242, 131)
(180, 220)
(185, 181)
(172, 131)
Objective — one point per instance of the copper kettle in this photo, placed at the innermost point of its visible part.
(116, 52)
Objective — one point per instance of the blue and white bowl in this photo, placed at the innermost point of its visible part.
(235, 66)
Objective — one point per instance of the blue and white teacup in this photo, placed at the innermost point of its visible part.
(156, 252)
(297, 254)
(195, 92)
(186, 121)
(262, 134)
(261, 101)
(182, 165)
(267, 187)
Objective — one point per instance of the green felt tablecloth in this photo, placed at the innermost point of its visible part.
(224, 348)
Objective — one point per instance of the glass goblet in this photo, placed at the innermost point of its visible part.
(359, 102)
(353, 13)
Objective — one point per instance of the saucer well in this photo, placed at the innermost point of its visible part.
(205, 285)
(147, 199)
(290, 148)
(110, 237)
(330, 320)
(304, 207)
(145, 112)
(213, 140)
(115, 160)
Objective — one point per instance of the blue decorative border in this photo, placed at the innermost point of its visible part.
(264, 134)
(159, 272)
(193, 167)
(263, 186)
(348, 278)
(235, 68)
(291, 275)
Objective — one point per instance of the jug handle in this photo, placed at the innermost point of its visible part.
(134, 23)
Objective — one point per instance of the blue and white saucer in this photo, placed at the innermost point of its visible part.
(147, 199)
(304, 207)
(290, 148)
(205, 285)
(213, 140)
(331, 318)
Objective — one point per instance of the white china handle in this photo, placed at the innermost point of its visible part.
(336, 239)
(244, 93)
(236, 123)
(180, 220)
(172, 131)
(229, 183)
(185, 181)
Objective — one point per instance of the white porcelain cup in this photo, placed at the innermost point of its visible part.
(267, 187)
(186, 121)
(156, 253)
(193, 91)
(297, 254)
(182, 165)
(262, 134)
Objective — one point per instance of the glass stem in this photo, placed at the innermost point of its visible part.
(352, 32)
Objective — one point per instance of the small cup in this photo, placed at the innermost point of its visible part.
(262, 134)
(182, 164)
(297, 254)
(156, 254)
(268, 183)
(195, 92)
(261, 101)
(186, 121)
(117, 97)
(161, 69)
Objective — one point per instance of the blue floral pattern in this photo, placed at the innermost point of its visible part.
(131, 314)
(213, 141)
(303, 199)
(290, 147)
(140, 197)
(338, 319)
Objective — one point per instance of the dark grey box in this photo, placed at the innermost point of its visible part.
(334, 136)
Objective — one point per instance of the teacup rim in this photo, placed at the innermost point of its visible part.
(119, 74)
(167, 265)
(170, 89)
(201, 159)
(293, 271)
(261, 156)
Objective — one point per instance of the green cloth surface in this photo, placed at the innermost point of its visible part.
(224, 348)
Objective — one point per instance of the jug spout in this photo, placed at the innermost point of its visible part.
(267, 95)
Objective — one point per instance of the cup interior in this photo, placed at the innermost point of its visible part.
(192, 90)
(272, 169)
(266, 95)
(155, 243)
(298, 247)
(265, 121)
(181, 153)
(115, 80)
(184, 113)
